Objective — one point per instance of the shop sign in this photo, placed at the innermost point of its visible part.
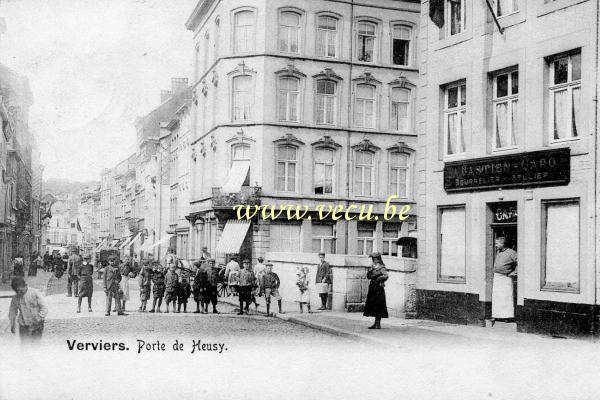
(536, 168)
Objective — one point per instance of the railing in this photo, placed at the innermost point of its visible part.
(248, 195)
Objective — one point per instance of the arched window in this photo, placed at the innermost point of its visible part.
(289, 32)
(323, 171)
(326, 101)
(327, 36)
(364, 110)
(364, 171)
(366, 41)
(289, 88)
(400, 110)
(287, 159)
(242, 98)
(240, 155)
(398, 183)
(401, 43)
(243, 35)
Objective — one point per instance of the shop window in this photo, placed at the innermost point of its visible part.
(561, 245)
(505, 106)
(452, 244)
(366, 41)
(323, 237)
(365, 237)
(455, 111)
(323, 172)
(327, 36)
(284, 237)
(565, 120)
(401, 44)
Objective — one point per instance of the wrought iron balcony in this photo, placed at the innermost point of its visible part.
(248, 195)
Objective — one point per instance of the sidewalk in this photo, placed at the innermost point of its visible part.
(42, 282)
(402, 332)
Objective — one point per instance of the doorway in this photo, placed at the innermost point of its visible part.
(504, 224)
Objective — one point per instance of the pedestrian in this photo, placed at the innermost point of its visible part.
(270, 286)
(171, 282)
(505, 267)
(145, 283)
(211, 291)
(375, 304)
(184, 290)
(232, 275)
(36, 262)
(323, 280)
(47, 261)
(205, 254)
(112, 277)
(247, 283)
(158, 288)
(259, 270)
(302, 281)
(58, 266)
(125, 271)
(73, 266)
(28, 309)
(86, 283)
(18, 266)
(199, 287)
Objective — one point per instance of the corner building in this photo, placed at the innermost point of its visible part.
(507, 145)
(304, 103)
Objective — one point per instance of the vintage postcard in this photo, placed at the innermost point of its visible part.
(308, 199)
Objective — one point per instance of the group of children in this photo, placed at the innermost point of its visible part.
(163, 283)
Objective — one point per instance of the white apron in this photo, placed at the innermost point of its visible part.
(124, 286)
(502, 297)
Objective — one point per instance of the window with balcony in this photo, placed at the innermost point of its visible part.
(243, 34)
(455, 111)
(366, 41)
(289, 32)
(242, 98)
(323, 171)
(565, 120)
(505, 107)
(326, 103)
(364, 171)
(365, 106)
(401, 110)
(327, 36)
(401, 44)
(286, 169)
(289, 93)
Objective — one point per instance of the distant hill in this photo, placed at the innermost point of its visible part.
(58, 186)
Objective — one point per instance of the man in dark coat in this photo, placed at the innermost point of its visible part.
(199, 286)
(112, 277)
(171, 283)
(86, 283)
(323, 280)
(47, 261)
(73, 267)
(211, 292)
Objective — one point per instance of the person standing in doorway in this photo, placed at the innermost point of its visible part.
(73, 267)
(86, 283)
(323, 280)
(375, 305)
(28, 309)
(505, 267)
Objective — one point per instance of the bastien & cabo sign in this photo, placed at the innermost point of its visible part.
(536, 168)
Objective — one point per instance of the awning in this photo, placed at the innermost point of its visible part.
(137, 237)
(100, 246)
(125, 243)
(164, 240)
(114, 243)
(407, 241)
(232, 237)
(237, 176)
(147, 243)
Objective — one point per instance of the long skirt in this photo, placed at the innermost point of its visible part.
(86, 286)
(502, 297)
(124, 288)
(375, 305)
(303, 296)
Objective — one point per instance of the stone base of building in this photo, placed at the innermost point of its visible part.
(559, 319)
(452, 307)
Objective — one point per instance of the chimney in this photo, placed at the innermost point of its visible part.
(165, 95)
(178, 85)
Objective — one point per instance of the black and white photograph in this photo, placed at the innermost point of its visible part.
(299, 199)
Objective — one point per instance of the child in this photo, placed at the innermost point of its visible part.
(145, 282)
(158, 290)
(112, 277)
(199, 287)
(270, 287)
(28, 308)
(86, 283)
(183, 293)
(211, 292)
(302, 283)
(247, 283)
(171, 282)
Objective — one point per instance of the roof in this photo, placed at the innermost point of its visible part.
(148, 126)
(199, 12)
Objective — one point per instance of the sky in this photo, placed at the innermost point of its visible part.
(94, 66)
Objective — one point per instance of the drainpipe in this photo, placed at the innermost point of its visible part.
(595, 321)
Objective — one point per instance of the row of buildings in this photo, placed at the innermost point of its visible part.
(480, 115)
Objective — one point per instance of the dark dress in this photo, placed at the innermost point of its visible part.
(86, 282)
(145, 282)
(200, 283)
(158, 290)
(375, 305)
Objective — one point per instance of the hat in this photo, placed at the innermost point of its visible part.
(246, 261)
(86, 257)
(375, 254)
(322, 254)
(269, 263)
(197, 263)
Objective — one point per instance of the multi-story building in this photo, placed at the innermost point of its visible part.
(105, 205)
(508, 147)
(64, 230)
(89, 218)
(310, 104)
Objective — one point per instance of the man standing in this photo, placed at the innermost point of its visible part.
(505, 267)
(86, 283)
(232, 271)
(112, 277)
(28, 308)
(73, 267)
(247, 284)
(47, 261)
(211, 286)
(323, 280)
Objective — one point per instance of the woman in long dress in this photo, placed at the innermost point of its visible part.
(125, 269)
(302, 280)
(375, 305)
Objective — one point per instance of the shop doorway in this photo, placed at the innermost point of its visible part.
(504, 224)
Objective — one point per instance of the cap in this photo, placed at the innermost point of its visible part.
(269, 263)
(375, 254)
(246, 261)
(322, 254)
(86, 257)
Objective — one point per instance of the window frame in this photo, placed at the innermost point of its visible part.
(362, 167)
(287, 163)
(363, 241)
(333, 170)
(276, 238)
(409, 55)
(450, 278)
(281, 94)
(458, 110)
(406, 168)
(448, 17)
(569, 86)
(235, 34)
(298, 28)
(409, 110)
(512, 101)
(515, 9)
(249, 96)
(334, 107)
(327, 32)
(361, 40)
(374, 116)
(322, 239)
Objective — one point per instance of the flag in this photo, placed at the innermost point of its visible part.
(79, 226)
(436, 12)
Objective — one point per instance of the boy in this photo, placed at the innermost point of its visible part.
(199, 289)
(171, 282)
(86, 283)
(158, 290)
(247, 284)
(183, 293)
(302, 280)
(112, 277)
(145, 283)
(211, 293)
(270, 287)
(29, 306)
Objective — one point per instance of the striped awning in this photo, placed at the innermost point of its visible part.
(232, 237)
(137, 237)
(237, 176)
(114, 243)
(100, 246)
(163, 241)
(125, 242)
